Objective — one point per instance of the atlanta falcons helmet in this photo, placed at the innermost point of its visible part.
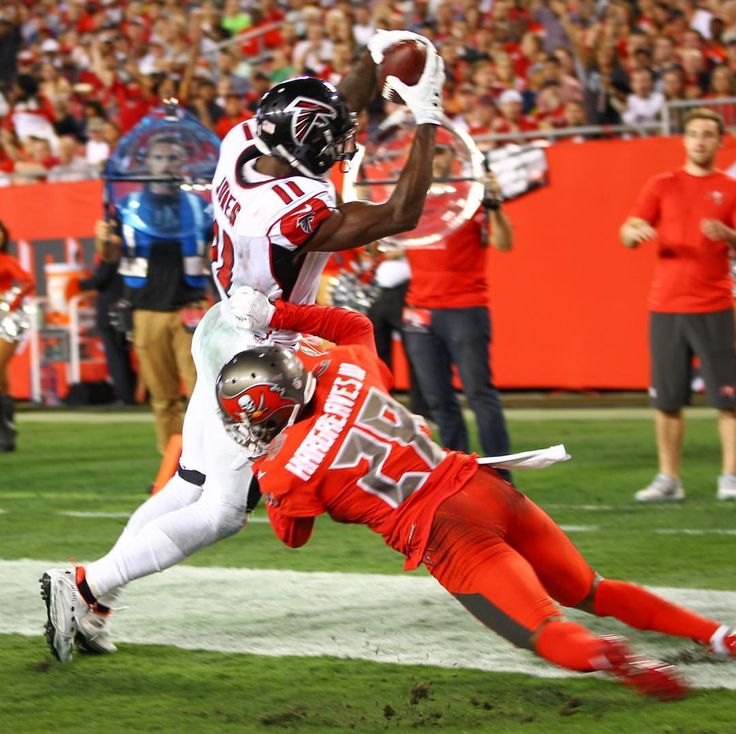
(260, 392)
(305, 122)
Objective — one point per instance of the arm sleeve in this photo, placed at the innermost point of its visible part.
(338, 325)
(22, 278)
(293, 531)
(647, 206)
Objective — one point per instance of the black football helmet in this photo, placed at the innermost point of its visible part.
(260, 392)
(305, 122)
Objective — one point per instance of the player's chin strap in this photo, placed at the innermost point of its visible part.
(281, 152)
(537, 459)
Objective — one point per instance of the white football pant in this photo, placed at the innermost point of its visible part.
(183, 517)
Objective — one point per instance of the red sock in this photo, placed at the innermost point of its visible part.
(643, 610)
(569, 645)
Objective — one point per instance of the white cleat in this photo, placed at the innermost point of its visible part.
(60, 593)
(726, 487)
(93, 631)
(663, 488)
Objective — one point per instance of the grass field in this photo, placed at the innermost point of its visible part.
(231, 642)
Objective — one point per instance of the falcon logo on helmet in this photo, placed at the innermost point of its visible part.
(305, 122)
(308, 113)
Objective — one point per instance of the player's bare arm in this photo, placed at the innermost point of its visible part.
(634, 231)
(359, 84)
(357, 223)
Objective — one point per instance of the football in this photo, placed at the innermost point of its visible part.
(404, 60)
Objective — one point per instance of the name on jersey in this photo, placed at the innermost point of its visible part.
(330, 424)
(229, 205)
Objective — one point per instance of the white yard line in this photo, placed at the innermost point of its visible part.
(401, 619)
(74, 513)
(693, 531)
(512, 414)
(566, 528)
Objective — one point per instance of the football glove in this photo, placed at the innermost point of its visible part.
(381, 40)
(424, 98)
(251, 309)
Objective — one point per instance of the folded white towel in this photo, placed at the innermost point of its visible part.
(537, 459)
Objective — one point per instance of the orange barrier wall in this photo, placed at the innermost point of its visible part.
(569, 303)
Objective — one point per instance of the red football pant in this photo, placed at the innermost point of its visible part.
(508, 563)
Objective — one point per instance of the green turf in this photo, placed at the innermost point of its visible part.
(161, 689)
(85, 467)
(77, 466)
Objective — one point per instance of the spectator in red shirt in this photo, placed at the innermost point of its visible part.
(512, 119)
(235, 113)
(447, 320)
(690, 214)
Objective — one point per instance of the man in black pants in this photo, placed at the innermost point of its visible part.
(109, 287)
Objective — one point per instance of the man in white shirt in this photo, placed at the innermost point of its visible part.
(644, 104)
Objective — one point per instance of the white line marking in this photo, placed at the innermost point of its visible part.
(692, 531)
(566, 528)
(406, 619)
(590, 508)
(74, 513)
(512, 414)
(125, 515)
(91, 495)
(68, 416)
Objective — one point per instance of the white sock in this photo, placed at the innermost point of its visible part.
(717, 643)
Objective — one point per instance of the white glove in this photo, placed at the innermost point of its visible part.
(251, 309)
(424, 98)
(381, 40)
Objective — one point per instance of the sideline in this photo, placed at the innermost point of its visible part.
(399, 619)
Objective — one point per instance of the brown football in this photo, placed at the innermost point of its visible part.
(404, 60)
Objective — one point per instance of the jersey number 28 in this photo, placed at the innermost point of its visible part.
(381, 427)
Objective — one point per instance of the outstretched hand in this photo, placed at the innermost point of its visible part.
(424, 98)
(381, 40)
(251, 309)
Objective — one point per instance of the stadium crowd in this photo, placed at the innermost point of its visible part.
(76, 75)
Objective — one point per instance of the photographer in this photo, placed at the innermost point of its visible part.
(160, 235)
(446, 319)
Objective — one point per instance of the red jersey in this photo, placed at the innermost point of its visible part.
(692, 272)
(360, 457)
(452, 275)
(11, 273)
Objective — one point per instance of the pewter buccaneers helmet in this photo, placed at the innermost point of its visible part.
(259, 393)
(306, 123)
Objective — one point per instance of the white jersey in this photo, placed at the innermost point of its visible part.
(260, 223)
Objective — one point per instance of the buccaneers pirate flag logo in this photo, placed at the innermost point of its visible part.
(257, 403)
